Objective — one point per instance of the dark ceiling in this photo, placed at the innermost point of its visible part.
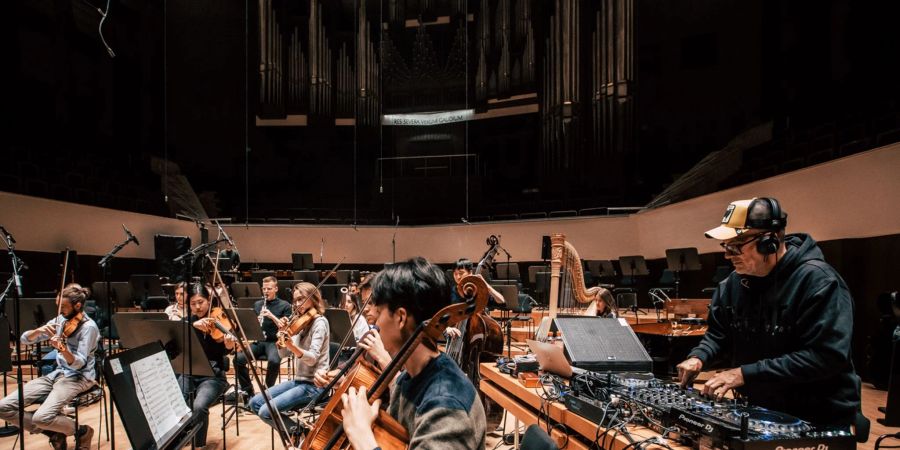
(569, 120)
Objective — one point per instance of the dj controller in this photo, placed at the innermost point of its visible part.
(692, 419)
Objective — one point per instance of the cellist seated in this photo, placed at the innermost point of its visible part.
(310, 350)
(432, 398)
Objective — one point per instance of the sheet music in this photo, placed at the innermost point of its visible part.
(158, 394)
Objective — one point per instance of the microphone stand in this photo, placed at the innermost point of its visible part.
(17, 297)
(509, 320)
(394, 242)
(106, 268)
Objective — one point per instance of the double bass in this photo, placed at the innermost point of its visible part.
(328, 431)
(481, 334)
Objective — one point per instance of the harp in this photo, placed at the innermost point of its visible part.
(568, 293)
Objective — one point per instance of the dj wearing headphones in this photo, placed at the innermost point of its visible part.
(781, 323)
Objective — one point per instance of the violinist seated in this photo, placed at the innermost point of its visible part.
(216, 345)
(432, 398)
(278, 309)
(305, 336)
(74, 335)
(464, 268)
(369, 340)
(350, 303)
(176, 310)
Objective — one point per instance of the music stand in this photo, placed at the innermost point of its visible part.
(339, 323)
(121, 294)
(309, 276)
(246, 289)
(170, 333)
(331, 294)
(34, 312)
(633, 266)
(680, 260)
(250, 324)
(508, 271)
(146, 287)
(247, 302)
(285, 288)
(124, 320)
(542, 286)
(117, 370)
(302, 261)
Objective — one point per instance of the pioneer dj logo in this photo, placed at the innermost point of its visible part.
(818, 447)
(707, 427)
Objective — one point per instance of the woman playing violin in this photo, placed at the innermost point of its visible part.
(74, 335)
(350, 303)
(310, 350)
(431, 398)
(206, 389)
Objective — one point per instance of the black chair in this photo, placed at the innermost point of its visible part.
(537, 439)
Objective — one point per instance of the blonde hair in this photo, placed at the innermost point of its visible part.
(308, 290)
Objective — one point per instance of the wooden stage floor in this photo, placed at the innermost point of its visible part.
(256, 435)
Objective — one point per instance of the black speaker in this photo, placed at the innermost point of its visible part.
(166, 248)
(603, 344)
(545, 247)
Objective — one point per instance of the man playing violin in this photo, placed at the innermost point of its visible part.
(432, 398)
(309, 348)
(278, 308)
(74, 335)
(206, 389)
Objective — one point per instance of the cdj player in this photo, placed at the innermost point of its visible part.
(687, 416)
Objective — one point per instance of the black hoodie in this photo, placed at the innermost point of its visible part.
(790, 334)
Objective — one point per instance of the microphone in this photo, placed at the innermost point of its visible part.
(224, 330)
(131, 237)
(7, 234)
(22, 265)
(465, 221)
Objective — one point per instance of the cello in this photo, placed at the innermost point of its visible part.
(480, 334)
(328, 431)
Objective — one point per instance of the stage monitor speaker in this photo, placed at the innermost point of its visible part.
(545, 248)
(166, 249)
(603, 344)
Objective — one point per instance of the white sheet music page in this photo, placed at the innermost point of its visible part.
(158, 394)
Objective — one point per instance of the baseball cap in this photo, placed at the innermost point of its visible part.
(743, 215)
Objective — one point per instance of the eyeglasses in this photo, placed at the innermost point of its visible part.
(734, 248)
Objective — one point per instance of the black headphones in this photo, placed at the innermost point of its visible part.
(777, 221)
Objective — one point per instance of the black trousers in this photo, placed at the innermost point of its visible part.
(260, 350)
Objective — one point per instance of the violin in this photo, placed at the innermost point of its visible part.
(328, 431)
(296, 324)
(65, 329)
(221, 324)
